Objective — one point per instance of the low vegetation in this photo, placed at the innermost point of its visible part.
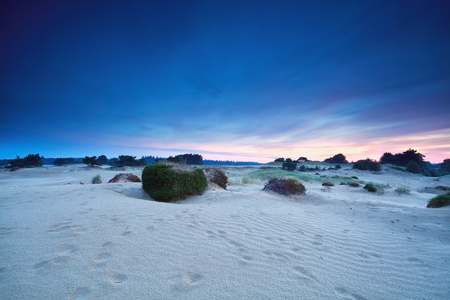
(289, 165)
(440, 201)
(97, 180)
(367, 164)
(402, 191)
(163, 183)
(376, 188)
(125, 177)
(327, 184)
(217, 176)
(286, 187)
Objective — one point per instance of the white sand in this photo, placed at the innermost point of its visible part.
(60, 239)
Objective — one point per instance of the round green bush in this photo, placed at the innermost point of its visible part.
(440, 201)
(165, 184)
(370, 187)
(285, 187)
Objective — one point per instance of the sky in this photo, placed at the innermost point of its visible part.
(230, 80)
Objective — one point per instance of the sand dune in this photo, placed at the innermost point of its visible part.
(60, 239)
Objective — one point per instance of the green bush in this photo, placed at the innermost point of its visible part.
(285, 187)
(289, 165)
(402, 190)
(367, 164)
(165, 184)
(413, 167)
(440, 201)
(217, 176)
(370, 187)
(97, 180)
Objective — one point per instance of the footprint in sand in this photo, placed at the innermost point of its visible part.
(303, 273)
(80, 293)
(63, 254)
(344, 292)
(65, 227)
(187, 281)
(118, 278)
(101, 259)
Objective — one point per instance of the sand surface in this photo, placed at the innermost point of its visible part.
(60, 239)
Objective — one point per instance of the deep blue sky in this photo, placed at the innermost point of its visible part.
(238, 80)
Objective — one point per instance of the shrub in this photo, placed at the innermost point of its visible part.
(367, 164)
(445, 165)
(97, 180)
(440, 201)
(218, 177)
(413, 167)
(327, 184)
(370, 187)
(165, 184)
(289, 165)
(122, 177)
(353, 184)
(285, 187)
(337, 159)
(402, 190)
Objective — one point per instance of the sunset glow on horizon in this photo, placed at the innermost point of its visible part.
(239, 81)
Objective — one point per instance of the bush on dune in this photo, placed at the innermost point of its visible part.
(163, 183)
(285, 187)
(218, 177)
(289, 165)
(440, 201)
(367, 164)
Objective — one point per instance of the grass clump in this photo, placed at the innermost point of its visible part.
(97, 180)
(218, 177)
(403, 191)
(285, 187)
(353, 184)
(440, 201)
(125, 177)
(370, 187)
(376, 188)
(327, 183)
(165, 184)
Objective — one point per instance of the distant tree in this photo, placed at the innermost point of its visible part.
(413, 167)
(337, 159)
(445, 165)
(279, 159)
(126, 160)
(302, 159)
(31, 160)
(92, 161)
(289, 165)
(113, 161)
(63, 161)
(102, 159)
(187, 159)
(387, 158)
